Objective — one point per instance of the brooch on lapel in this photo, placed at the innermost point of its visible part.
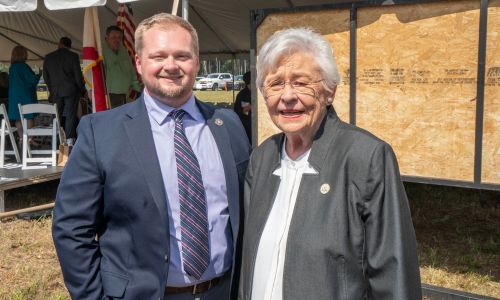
(218, 122)
(325, 188)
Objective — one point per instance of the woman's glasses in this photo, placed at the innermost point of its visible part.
(277, 88)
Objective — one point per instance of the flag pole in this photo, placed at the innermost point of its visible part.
(100, 59)
(185, 9)
(175, 6)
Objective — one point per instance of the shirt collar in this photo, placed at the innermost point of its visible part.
(108, 48)
(159, 111)
(300, 163)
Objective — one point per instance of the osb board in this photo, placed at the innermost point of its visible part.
(491, 122)
(416, 84)
(334, 26)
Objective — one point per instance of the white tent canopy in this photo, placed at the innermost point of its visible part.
(223, 25)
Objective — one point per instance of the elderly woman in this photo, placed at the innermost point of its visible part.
(326, 215)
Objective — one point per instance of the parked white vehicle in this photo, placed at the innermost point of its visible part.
(198, 78)
(214, 81)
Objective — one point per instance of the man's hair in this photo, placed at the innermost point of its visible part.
(297, 40)
(65, 41)
(113, 28)
(247, 77)
(165, 20)
(19, 54)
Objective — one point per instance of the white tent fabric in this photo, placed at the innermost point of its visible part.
(17, 5)
(223, 25)
(64, 4)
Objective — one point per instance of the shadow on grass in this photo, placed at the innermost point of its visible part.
(31, 195)
(457, 229)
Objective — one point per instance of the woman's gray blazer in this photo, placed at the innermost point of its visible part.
(353, 241)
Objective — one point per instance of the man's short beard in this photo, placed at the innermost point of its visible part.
(170, 93)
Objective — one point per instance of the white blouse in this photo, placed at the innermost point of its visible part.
(268, 272)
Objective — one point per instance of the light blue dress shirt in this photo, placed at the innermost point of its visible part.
(202, 141)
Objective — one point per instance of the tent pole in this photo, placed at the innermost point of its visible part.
(175, 6)
(185, 9)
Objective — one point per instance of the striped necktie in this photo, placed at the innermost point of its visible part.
(193, 205)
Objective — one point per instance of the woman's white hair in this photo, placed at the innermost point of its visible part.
(293, 40)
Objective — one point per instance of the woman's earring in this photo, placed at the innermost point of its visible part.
(329, 100)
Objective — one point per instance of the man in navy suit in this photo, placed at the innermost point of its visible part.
(120, 218)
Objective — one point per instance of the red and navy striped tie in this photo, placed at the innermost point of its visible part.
(193, 205)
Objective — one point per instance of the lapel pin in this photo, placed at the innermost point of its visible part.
(219, 122)
(325, 188)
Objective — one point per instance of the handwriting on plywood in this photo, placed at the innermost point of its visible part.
(402, 76)
(493, 76)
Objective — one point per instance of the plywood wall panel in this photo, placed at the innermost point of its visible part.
(334, 26)
(416, 81)
(491, 124)
(416, 84)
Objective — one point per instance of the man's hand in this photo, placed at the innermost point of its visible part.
(246, 107)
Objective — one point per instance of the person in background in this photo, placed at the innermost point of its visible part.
(326, 214)
(158, 181)
(4, 88)
(243, 105)
(22, 87)
(63, 75)
(118, 68)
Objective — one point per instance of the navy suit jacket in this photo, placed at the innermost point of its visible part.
(110, 225)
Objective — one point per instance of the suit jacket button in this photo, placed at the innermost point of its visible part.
(166, 258)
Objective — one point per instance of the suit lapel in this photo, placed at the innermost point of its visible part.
(138, 130)
(322, 142)
(221, 136)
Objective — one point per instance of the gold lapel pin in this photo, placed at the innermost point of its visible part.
(325, 188)
(219, 122)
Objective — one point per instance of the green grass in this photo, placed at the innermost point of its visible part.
(219, 98)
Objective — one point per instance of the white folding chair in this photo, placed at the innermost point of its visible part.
(6, 129)
(52, 130)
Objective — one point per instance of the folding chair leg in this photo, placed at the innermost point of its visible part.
(6, 129)
(29, 148)
(25, 150)
(2, 144)
(14, 147)
(54, 143)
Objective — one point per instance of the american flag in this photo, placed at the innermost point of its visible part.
(126, 22)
